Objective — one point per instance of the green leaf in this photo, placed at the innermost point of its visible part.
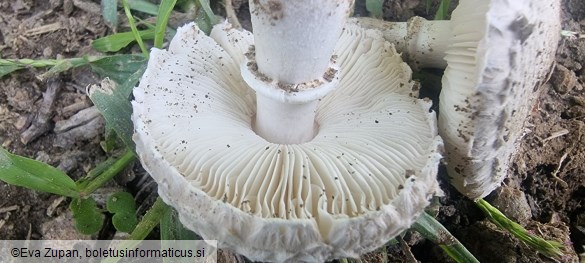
(149, 221)
(110, 12)
(207, 8)
(110, 141)
(134, 29)
(122, 205)
(113, 102)
(164, 11)
(25, 172)
(88, 219)
(443, 11)
(203, 21)
(143, 6)
(119, 67)
(124, 222)
(115, 42)
(172, 229)
(121, 202)
(375, 7)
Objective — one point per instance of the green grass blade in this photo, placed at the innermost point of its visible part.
(115, 42)
(547, 247)
(110, 12)
(431, 229)
(143, 6)
(428, 5)
(25, 172)
(443, 11)
(164, 11)
(375, 8)
(134, 29)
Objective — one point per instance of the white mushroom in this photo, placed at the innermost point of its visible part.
(362, 177)
(495, 66)
(498, 53)
(423, 43)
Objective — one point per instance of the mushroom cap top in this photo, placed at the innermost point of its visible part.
(363, 179)
(500, 54)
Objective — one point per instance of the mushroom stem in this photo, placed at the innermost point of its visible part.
(295, 39)
(423, 43)
(285, 114)
(291, 66)
(285, 123)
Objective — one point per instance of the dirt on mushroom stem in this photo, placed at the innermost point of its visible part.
(557, 210)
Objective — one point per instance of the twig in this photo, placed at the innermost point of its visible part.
(564, 156)
(72, 109)
(559, 165)
(572, 35)
(81, 118)
(231, 14)
(406, 249)
(8, 209)
(42, 121)
(54, 205)
(88, 6)
(43, 29)
(87, 131)
(555, 135)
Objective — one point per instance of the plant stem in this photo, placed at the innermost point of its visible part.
(164, 11)
(109, 173)
(150, 220)
(433, 230)
(547, 247)
(41, 63)
(134, 29)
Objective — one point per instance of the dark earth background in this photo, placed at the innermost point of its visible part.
(545, 190)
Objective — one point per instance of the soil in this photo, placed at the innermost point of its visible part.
(545, 190)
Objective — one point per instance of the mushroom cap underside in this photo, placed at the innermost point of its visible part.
(361, 181)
